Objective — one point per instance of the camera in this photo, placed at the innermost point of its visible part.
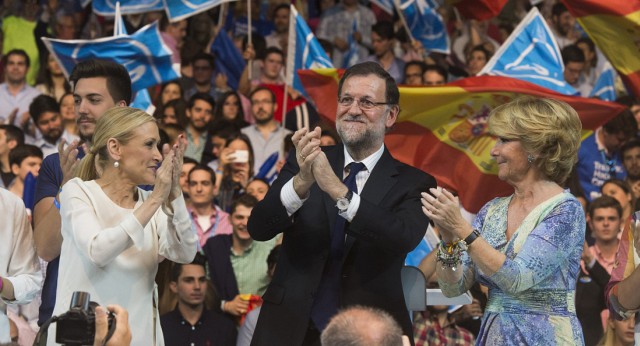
(78, 325)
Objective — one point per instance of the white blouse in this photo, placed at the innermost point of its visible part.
(107, 253)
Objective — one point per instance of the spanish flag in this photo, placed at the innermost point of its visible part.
(614, 26)
(443, 130)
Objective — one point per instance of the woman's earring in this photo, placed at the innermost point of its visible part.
(116, 164)
(530, 158)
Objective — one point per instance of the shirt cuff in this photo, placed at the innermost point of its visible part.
(351, 211)
(290, 199)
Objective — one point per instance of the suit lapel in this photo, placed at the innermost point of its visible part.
(381, 180)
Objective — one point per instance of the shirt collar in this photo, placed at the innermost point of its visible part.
(369, 161)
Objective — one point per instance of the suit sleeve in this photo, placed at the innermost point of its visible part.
(399, 226)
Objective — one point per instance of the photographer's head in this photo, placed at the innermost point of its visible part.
(189, 282)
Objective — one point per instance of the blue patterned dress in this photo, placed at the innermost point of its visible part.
(532, 297)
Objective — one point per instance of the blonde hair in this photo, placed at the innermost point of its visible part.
(119, 123)
(548, 129)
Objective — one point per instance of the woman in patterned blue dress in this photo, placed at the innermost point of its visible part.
(526, 247)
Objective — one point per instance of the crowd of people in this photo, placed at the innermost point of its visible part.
(240, 215)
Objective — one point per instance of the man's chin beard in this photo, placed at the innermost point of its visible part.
(264, 121)
(52, 139)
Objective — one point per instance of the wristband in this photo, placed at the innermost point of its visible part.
(222, 302)
(55, 199)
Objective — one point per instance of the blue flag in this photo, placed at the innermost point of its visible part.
(351, 56)
(108, 7)
(604, 88)
(426, 25)
(229, 60)
(143, 54)
(181, 9)
(304, 50)
(142, 101)
(531, 54)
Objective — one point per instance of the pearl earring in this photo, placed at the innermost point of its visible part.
(116, 164)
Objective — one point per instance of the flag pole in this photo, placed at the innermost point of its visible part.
(396, 3)
(249, 40)
(291, 56)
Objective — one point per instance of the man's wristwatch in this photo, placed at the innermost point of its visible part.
(466, 242)
(343, 202)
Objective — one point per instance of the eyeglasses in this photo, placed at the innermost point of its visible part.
(363, 103)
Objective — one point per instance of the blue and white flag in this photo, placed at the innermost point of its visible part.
(304, 51)
(604, 88)
(531, 54)
(229, 60)
(426, 24)
(351, 57)
(181, 9)
(142, 101)
(143, 54)
(108, 7)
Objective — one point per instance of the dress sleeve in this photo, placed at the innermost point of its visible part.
(178, 240)
(79, 220)
(24, 269)
(555, 244)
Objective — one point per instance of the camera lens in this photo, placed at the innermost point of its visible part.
(80, 300)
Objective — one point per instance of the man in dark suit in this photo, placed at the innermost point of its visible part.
(344, 243)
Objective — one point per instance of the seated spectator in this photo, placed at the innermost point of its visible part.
(51, 80)
(619, 333)
(237, 263)
(258, 188)
(199, 113)
(236, 164)
(630, 153)
(229, 109)
(219, 133)
(604, 220)
(574, 62)
(24, 159)
(476, 59)
(362, 326)
(20, 276)
(187, 165)
(45, 113)
(191, 323)
(621, 191)
(68, 114)
(414, 72)
(383, 41)
(435, 75)
(209, 220)
(173, 112)
(203, 68)
(10, 137)
(280, 35)
(169, 91)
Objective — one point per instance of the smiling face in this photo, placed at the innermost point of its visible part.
(239, 219)
(359, 129)
(139, 158)
(511, 159)
(92, 100)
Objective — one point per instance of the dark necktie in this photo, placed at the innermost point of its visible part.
(326, 300)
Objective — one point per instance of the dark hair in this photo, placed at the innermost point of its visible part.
(239, 119)
(164, 86)
(572, 53)
(624, 122)
(176, 269)
(201, 96)
(634, 143)
(5, 59)
(604, 202)
(261, 88)
(420, 64)
(480, 48)
(392, 95)
(274, 50)
(187, 159)
(437, 69)
(180, 108)
(280, 7)
(21, 152)
(384, 29)
(245, 200)
(332, 134)
(44, 78)
(118, 79)
(558, 9)
(42, 104)
(201, 167)
(628, 101)
(327, 46)
(259, 45)
(241, 137)
(13, 133)
(205, 56)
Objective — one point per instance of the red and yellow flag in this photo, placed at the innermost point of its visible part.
(478, 9)
(614, 26)
(443, 130)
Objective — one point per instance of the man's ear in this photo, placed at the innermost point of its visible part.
(121, 103)
(114, 148)
(15, 169)
(11, 144)
(392, 116)
(173, 286)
